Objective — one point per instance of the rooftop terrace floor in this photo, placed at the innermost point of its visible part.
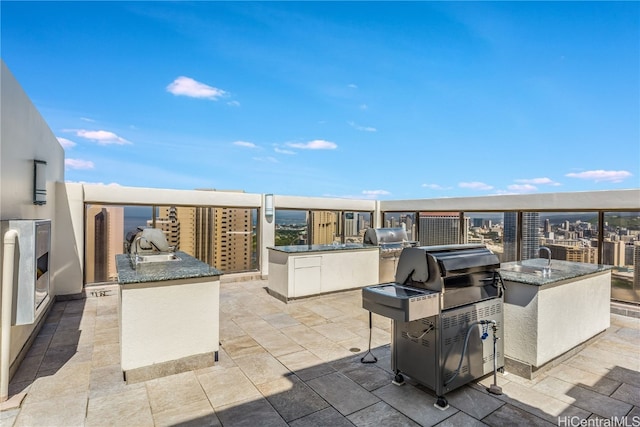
(292, 364)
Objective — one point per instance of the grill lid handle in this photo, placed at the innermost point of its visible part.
(412, 265)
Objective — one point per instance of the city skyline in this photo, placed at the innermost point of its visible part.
(312, 98)
(225, 237)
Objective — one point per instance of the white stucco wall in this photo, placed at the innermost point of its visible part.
(575, 201)
(543, 322)
(25, 136)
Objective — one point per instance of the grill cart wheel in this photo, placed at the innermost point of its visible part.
(441, 403)
(398, 379)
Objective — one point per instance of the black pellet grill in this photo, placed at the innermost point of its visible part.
(443, 296)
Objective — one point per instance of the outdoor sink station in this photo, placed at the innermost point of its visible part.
(168, 310)
(551, 308)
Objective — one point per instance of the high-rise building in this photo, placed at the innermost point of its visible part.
(510, 237)
(323, 227)
(530, 235)
(104, 240)
(613, 253)
(350, 224)
(440, 228)
(221, 237)
(573, 252)
(362, 224)
(233, 239)
(629, 253)
(409, 222)
(168, 222)
(530, 243)
(636, 267)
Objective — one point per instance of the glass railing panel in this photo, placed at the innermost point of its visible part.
(291, 227)
(621, 249)
(324, 227)
(486, 228)
(354, 225)
(223, 237)
(406, 220)
(570, 236)
(105, 236)
(440, 228)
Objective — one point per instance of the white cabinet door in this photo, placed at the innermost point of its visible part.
(307, 278)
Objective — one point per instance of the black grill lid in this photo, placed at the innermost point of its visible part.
(428, 263)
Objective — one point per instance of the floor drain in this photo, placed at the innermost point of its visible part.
(354, 350)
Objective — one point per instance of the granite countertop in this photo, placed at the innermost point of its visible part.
(296, 249)
(186, 268)
(530, 271)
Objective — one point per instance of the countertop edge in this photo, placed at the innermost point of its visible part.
(188, 268)
(303, 249)
(568, 271)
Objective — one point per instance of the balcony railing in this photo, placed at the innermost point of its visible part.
(589, 227)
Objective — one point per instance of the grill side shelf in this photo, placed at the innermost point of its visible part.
(401, 303)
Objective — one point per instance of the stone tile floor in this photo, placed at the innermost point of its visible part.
(298, 364)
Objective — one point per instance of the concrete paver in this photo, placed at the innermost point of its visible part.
(298, 364)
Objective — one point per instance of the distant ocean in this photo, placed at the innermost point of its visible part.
(291, 217)
(132, 222)
(136, 216)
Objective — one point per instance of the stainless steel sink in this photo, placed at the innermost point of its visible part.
(528, 269)
(523, 269)
(164, 257)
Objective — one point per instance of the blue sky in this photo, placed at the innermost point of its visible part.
(362, 99)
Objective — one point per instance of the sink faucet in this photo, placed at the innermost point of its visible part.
(547, 269)
(136, 244)
(134, 248)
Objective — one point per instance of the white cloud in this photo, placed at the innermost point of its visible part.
(186, 86)
(434, 187)
(245, 144)
(234, 103)
(102, 137)
(522, 188)
(86, 119)
(538, 181)
(475, 185)
(281, 151)
(352, 86)
(601, 175)
(78, 164)
(362, 128)
(316, 144)
(363, 106)
(66, 143)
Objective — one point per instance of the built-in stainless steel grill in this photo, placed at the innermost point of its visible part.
(446, 304)
(391, 241)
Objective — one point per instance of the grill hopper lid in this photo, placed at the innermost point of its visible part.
(380, 236)
(426, 266)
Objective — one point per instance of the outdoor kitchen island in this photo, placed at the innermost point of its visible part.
(551, 308)
(168, 316)
(303, 270)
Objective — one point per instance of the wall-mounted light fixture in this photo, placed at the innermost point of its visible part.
(268, 205)
(39, 182)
